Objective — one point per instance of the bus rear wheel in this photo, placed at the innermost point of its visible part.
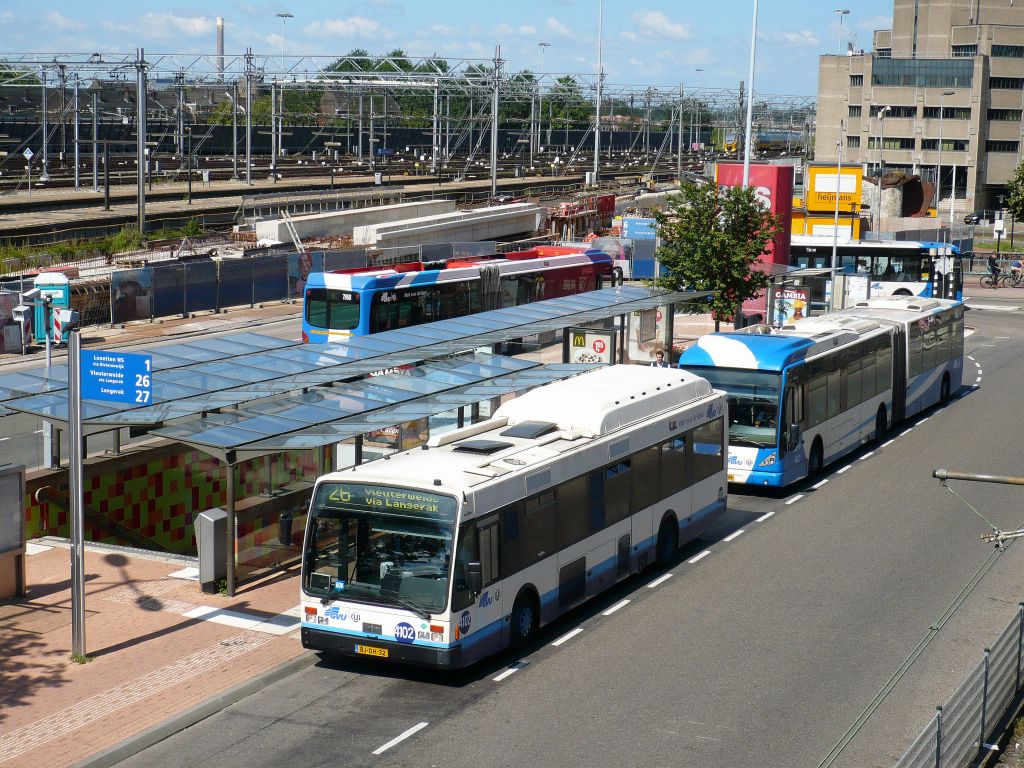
(525, 620)
(668, 541)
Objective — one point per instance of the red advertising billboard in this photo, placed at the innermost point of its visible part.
(773, 185)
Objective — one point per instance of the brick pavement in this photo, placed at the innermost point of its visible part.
(150, 661)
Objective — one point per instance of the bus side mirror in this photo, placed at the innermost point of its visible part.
(793, 436)
(474, 577)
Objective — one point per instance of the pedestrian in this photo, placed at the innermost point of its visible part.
(659, 360)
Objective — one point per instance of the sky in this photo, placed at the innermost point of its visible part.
(645, 42)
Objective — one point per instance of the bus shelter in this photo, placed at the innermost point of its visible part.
(249, 395)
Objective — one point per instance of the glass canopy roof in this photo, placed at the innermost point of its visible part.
(286, 388)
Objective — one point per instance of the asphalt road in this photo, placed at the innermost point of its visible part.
(763, 651)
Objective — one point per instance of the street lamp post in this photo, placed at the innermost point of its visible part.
(877, 216)
(750, 100)
(283, 16)
(840, 12)
(600, 83)
(696, 138)
(938, 164)
(540, 94)
(835, 228)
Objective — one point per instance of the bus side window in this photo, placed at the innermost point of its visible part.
(468, 552)
(511, 541)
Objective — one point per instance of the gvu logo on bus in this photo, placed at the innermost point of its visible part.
(334, 612)
(485, 600)
(404, 633)
(464, 621)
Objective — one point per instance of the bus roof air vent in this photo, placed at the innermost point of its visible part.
(483, 447)
(529, 430)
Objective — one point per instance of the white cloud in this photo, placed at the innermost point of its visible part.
(166, 24)
(875, 22)
(526, 29)
(438, 30)
(803, 37)
(555, 26)
(657, 23)
(353, 26)
(628, 36)
(62, 23)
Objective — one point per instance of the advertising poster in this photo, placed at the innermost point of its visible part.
(789, 304)
(589, 345)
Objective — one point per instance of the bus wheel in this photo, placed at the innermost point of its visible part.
(881, 423)
(902, 292)
(525, 619)
(944, 391)
(668, 541)
(817, 461)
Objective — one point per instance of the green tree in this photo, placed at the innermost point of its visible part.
(711, 239)
(1015, 203)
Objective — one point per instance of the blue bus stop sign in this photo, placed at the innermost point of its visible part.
(118, 377)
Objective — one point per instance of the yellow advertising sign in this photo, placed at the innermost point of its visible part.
(822, 181)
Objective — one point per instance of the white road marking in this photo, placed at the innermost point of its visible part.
(614, 608)
(400, 737)
(4, 438)
(795, 499)
(842, 469)
(38, 432)
(977, 380)
(512, 669)
(906, 432)
(922, 421)
(820, 483)
(867, 455)
(701, 556)
(980, 371)
(568, 636)
(887, 444)
(732, 536)
(275, 625)
(764, 517)
(969, 357)
(660, 580)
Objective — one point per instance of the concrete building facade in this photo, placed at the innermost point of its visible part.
(941, 94)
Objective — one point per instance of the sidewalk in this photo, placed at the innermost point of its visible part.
(158, 649)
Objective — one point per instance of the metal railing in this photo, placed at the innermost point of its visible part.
(962, 729)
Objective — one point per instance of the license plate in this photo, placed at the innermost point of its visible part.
(370, 650)
(731, 478)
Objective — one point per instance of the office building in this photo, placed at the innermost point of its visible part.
(940, 95)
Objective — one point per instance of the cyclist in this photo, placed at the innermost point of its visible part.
(1015, 271)
(993, 268)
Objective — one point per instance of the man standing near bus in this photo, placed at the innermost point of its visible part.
(659, 360)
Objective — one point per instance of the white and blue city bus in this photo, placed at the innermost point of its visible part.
(804, 395)
(442, 555)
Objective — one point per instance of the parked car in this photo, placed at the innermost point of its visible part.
(977, 217)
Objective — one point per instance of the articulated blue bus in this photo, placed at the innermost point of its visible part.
(804, 395)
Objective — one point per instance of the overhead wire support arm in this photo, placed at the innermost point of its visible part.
(997, 536)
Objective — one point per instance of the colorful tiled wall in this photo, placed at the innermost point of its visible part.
(157, 491)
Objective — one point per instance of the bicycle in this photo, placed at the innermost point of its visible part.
(990, 281)
(1013, 279)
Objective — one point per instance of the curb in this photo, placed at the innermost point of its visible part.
(177, 723)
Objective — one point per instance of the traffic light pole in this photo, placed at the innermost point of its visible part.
(75, 459)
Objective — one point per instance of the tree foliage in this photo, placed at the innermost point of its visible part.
(711, 240)
(1015, 203)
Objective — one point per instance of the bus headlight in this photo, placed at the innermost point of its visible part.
(768, 460)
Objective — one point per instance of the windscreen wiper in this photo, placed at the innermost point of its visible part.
(410, 606)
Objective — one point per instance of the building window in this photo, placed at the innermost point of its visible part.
(1001, 146)
(959, 51)
(894, 110)
(947, 113)
(948, 145)
(1008, 51)
(1010, 115)
(856, 81)
(855, 110)
(923, 73)
(853, 142)
(891, 142)
(883, 53)
(1006, 83)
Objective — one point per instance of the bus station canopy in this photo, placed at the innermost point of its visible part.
(273, 379)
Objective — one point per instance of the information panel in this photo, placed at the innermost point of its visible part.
(119, 377)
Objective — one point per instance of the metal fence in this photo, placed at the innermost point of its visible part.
(962, 728)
